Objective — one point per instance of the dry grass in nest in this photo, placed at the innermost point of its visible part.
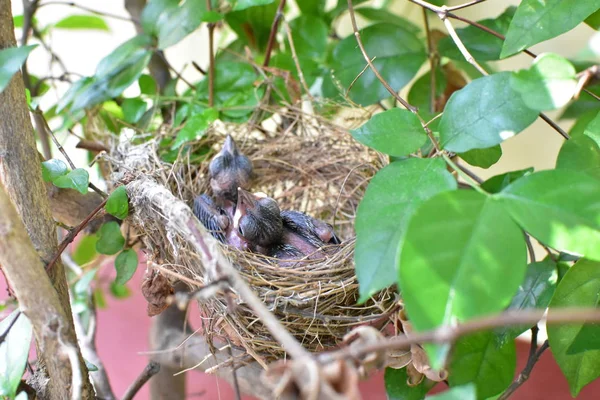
(311, 166)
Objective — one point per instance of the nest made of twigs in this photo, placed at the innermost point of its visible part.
(307, 164)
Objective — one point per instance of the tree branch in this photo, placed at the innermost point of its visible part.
(149, 371)
(273, 33)
(524, 375)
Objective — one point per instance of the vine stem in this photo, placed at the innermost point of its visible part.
(211, 58)
(273, 33)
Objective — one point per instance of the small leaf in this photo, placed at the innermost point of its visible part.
(82, 286)
(464, 392)
(580, 153)
(147, 85)
(110, 239)
(476, 359)
(594, 20)
(133, 109)
(483, 158)
(14, 352)
(11, 60)
(578, 288)
(52, 169)
(125, 264)
(474, 271)
(483, 114)
(384, 213)
(397, 388)
(118, 203)
(536, 21)
(481, 45)
(195, 127)
(549, 84)
(398, 54)
(560, 208)
(311, 7)
(99, 299)
(172, 20)
(535, 292)
(82, 22)
(85, 250)
(78, 179)
(496, 183)
(119, 291)
(396, 132)
(91, 367)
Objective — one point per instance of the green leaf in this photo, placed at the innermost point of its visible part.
(594, 20)
(125, 264)
(397, 387)
(483, 158)
(419, 95)
(11, 60)
(396, 132)
(243, 4)
(147, 85)
(549, 84)
(195, 127)
(85, 250)
(92, 22)
(119, 291)
(580, 153)
(172, 20)
(53, 168)
(465, 392)
(91, 367)
(398, 54)
(560, 208)
(481, 45)
(78, 179)
(133, 109)
(233, 78)
(118, 203)
(110, 239)
(483, 114)
(535, 292)
(82, 286)
(384, 213)
(578, 288)
(309, 34)
(253, 24)
(311, 7)
(475, 270)
(536, 21)
(496, 183)
(381, 15)
(584, 104)
(18, 21)
(14, 351)
(476, 359)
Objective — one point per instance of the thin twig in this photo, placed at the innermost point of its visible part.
(198, 68)
(5, 333)
(368, 60)
(555, 126)
(73, 233)
(90, 10)
(530, 249)
(161, 55)
(151, 369)
(273, 33)
(465, 5)
(524, 375)
(470, 173)
(295, 58)
(211, 58)
(432, 62)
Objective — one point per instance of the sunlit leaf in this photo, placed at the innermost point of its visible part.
(92, 22)
(14, 351)
(85, 250)
(11, 60)
(78, 179)
(578, 288)
(536, 21)
(53, 168)
(483, 114)
(384, 213)
(126, 263)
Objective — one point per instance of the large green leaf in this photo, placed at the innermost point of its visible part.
(549, 84)
(560, 208)
(126, 263)
(397, 387)
(536, 21)
(398, 54)
(309, 34)
(382, 15)
(14, 351)
(78, 179)
(396, 132)
(311, 7)
(579, 288)
(383, 216)
(118, 203)
(11, 60)
(463, 257)
(481, 45)
(110, 240)
(476, 359)
(172, 20)
(464, 392)
(253, 24)
(484, 113)
(535, 292)
(580, 153)
(82, 22)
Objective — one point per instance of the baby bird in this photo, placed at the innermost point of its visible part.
(218, 222)
(228, 170)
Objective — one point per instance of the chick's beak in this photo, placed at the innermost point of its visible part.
(229, 146)
(245, 201)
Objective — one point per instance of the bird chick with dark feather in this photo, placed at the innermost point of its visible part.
(228, 170)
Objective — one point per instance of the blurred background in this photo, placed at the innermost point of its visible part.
(123, 323)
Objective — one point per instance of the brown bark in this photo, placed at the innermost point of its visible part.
(21, 178)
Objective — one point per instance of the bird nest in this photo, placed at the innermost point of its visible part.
(307, 164)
